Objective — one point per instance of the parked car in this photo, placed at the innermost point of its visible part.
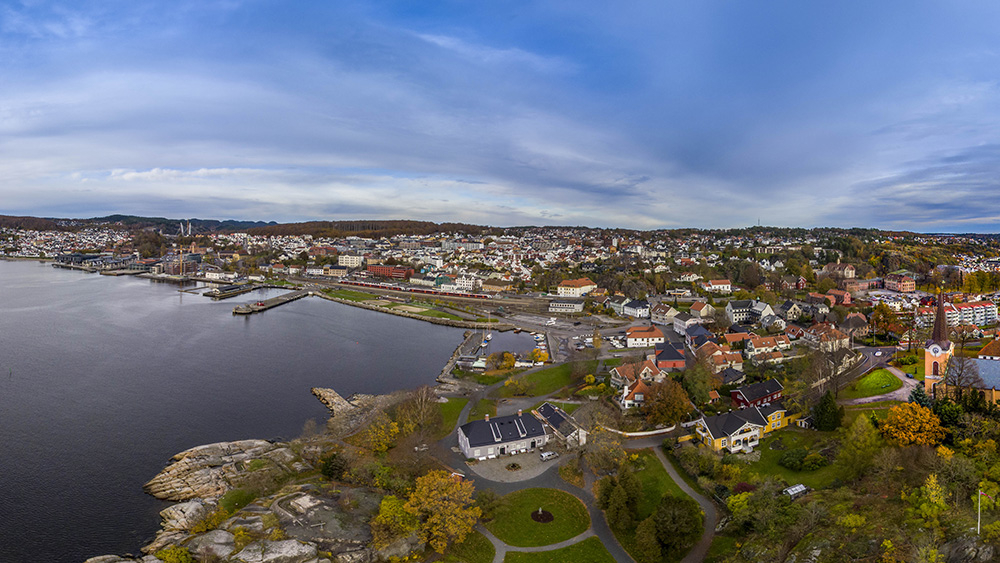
(546, 456)
(878, 352)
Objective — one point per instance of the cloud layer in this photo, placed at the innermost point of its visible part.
(653, 115)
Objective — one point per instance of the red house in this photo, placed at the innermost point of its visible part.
(756, 394)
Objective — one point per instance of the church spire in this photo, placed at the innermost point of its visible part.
(940, 334)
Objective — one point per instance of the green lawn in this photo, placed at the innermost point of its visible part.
(590, 550)
(655, 483)
(793, 438)
(475, 549)
(878, 382)
(612, 363)
(514, 526)
(880, 408)
(722, 548)
(439, 314)
(482, 408)
(449, 415)
(916, 369)
(350, 295)
(550, 379)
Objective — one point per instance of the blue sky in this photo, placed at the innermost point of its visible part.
(630, 114)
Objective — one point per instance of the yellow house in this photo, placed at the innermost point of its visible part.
(742, 429)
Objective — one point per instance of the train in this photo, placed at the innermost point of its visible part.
(422, 290)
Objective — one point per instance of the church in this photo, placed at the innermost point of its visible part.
(938, 350)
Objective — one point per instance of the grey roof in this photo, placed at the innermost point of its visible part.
(501, 430)
(637, 304)
(683, 317)
(989, 370)
(731, 376)
(760, 390)
(726, 424)
(741, 304)
(554, 417)
(669, 353)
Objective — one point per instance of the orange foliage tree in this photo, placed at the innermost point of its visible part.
(445, 508)
(910, 423)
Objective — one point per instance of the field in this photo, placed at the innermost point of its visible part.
(482, 408)
(449, 415)
(350, 295)
(879, 408)
(475, 549)
(551, 379)
(878, 382)
(514, 526)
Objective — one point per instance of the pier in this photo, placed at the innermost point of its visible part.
(260, 306)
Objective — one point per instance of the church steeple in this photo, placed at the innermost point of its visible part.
(940, 334)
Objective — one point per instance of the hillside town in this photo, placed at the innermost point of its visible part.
(784, 373)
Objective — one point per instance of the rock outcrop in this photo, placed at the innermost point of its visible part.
(210, 471)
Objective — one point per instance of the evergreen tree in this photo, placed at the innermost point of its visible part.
(678, 522)
(858, 448)
(605, 487)
(919, 397)
(618, 514)
(628, 481)
(646, 543)
(826, 415)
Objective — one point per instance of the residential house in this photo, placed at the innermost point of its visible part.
(689, 277)
(636, 308)
(718, 286)
(757, 394)
(682, 322)
(826, 338)
(789, 310)
(628, 372)
(702, 310)
(732, 376)
(840, 297)
(662, 314)
(617, 304)
(762, 344)
(696, 336)
(741, 430)
(563, 426)
(643, 336)
(839, 270)
(669, 357)
(503, 435)
(634, 394)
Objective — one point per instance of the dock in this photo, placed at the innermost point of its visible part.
(260, 306)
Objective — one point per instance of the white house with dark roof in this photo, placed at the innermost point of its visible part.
(503, 435)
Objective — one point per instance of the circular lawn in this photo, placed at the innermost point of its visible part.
(516, 522)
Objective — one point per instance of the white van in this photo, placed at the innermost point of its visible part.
(546, 456)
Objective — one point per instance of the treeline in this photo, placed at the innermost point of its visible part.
(171, 225)
(335, 229)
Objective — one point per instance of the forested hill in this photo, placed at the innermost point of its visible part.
(28, 223)
(365, 228)
(170, 225)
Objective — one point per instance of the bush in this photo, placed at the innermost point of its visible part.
(792, 459)
(813, 461)
(175, 554)
(333, 466)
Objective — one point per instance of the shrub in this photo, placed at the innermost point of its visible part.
(210, 522)
(241, 537)
(813, 461)
(175, 554)
(792, 459)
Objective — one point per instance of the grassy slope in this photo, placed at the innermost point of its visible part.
(878, 382)
(513, 523)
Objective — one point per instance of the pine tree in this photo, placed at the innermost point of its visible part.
(605, 487)
(920, 397)
(618, 514)
(646, 543)
(826, 415)
(628, 481)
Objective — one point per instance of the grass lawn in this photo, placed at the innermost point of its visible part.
(655, 483)
(590, 550)
(449, 415)
(880, 408)
(722, 548)
(794, 438)
(351, 295)
(514, 526)
(551, 379)
(878, 382)
(613, 363)
(439, 314)
(475, 549)
(482, 408)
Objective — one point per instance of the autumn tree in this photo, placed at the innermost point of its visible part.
(444, 507)
(597, 340)
(605, 449)
(666, 403)
(910, 423)
(858, 448)
(882, 316)
(419, 411)
(392, 522)
(381, 433)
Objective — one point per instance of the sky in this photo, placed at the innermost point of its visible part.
(639, 114)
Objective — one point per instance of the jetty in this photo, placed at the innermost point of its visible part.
(260, 306)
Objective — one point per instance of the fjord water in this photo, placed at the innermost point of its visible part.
(102, 379)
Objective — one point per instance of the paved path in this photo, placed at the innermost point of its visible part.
(901, 394)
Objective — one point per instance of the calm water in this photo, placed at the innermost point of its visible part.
(102, 379)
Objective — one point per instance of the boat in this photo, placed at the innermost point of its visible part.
(489, 335)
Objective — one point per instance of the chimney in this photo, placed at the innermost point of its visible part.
(518, 412)
(487, 419)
